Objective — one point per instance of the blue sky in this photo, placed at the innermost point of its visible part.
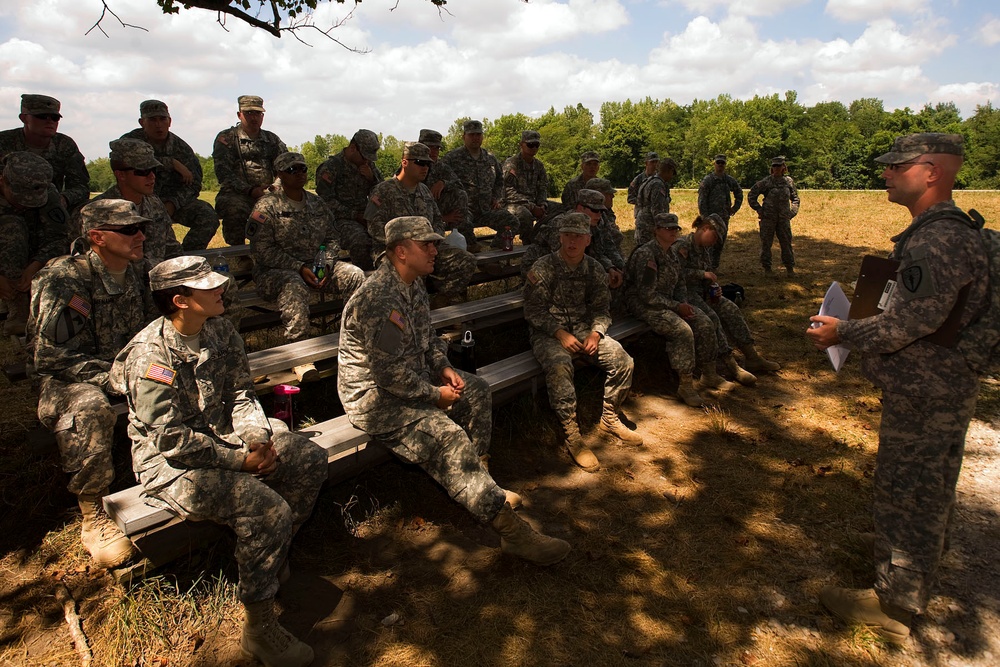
(487, 58)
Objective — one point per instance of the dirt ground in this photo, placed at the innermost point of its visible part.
(707, 546)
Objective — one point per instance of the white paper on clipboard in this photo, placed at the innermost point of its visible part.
(836, 304)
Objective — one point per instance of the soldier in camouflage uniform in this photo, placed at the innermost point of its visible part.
(286, 230)
(695, 252)
(482, 177)
(449, 194)
(84, 309)
(344, 182)
(929, 390)
(40, 115)
(406, 195)
(567, 306)
(652, 163)
(203, 448)
(32, 230)
(395, 382)
(656, 293)
(525, 184)
(781, 204)
(609, 216)
(178, 180)
(134, 168)
(244, 164)
(590, 164)
(653, 198)
(714, 197)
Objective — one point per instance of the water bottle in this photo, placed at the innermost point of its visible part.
(283, 403)
(320, 266)
(508, 238)
(714, 293)
(220, 264)
(456, 239)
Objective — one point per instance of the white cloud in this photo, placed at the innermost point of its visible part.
(741, 7)
(967, 96)
(866, 10)
(989, 32)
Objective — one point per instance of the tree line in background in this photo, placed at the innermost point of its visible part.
(829, 145)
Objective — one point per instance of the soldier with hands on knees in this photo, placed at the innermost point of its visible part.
(525, 184)
(395, 383)
(203, 448)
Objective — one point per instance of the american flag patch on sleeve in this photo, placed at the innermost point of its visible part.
(397, 318)
(80, 305)
(161, 374)
(258, 216)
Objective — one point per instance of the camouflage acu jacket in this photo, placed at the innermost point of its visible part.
(69, 170)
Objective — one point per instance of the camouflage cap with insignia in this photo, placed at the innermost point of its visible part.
(110, 213)
(720, 158)
(414, 150)
(367, 143)
(575, 223)
(472, 127)
(590, 156)
(666, 221)
(153, 109)
(413, 227)
(430, 138)
(531, 135)
(287, 160)
(132, 154)
(652, 156)
(913, 146)
(778, 161)
(592, 199)
(188, 270)
(28, 176)
(38, 104)
(602, 185)
(713, 221)
(251, 103)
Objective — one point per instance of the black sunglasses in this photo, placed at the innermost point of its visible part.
(295, 169)
(54, 117)
(532, 144)
(142, 173)
(127, 230)
(422, 163)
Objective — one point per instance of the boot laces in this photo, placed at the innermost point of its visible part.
(276, 636)
(106, 528)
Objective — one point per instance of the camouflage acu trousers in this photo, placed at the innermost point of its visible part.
(293, 296)
(643, 228)
(448, 444)
(80, 416)
(355, 239)
(453, 269)
(716, 250)
(730, 327)
(260, 510)
(525, 221)
(202, 222)
(921, 444)
(557, 364)
(15, 250)
(769, 227)
(234, 209)
(690, 343)
(456, 199)
(497, 220)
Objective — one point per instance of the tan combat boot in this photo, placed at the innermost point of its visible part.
(612, 424)
(519, 539)
(306, 373)
(863, 606)
(581, 454)
(107, 545)
(741, 375)
(687, 393)
(710, 379)
(17, 314)
(263, 638)
(755, 363)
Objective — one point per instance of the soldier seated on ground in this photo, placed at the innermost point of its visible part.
(525, 184)
(84, 309)
(203, 448)
(655, 292)
(286, 230)
(395, 383)
(567, 306)
(178, 180)
(697, 257)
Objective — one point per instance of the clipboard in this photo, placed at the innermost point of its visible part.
(876, 284)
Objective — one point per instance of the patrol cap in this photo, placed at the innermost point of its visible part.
(38, 104)
(188, 270)
(531, 135)
(28, 176)
(713, 220)
(602, 185)
(414, 150)
(153, 109)
(590, 156)
(575, 223)
(652, 156)
(133, 153)
(720, 158)
(778, 161)
(110, 213)
(287, 159)
(592, 199)
(251, 103)
(666, 221)
(367, 143)
(430, 138)
(414, 227)
(913, 146)
(472, 127)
